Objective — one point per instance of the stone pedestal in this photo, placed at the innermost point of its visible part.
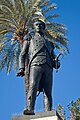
(50, 115)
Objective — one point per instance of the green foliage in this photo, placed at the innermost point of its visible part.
(61, 111)
(74, 108)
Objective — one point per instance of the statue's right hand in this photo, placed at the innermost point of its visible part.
(20, 73)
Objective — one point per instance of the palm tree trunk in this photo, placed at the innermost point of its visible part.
(26, 78)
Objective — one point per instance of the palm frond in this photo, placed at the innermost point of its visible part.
(3, 62)
(56, 37)
(52, 6)
(56, 27)
(7, 55)
(60, 48)
(52, 16)
(44, 3)
(9, 61)
(7, 11)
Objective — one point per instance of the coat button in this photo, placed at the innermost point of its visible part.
(38, 63)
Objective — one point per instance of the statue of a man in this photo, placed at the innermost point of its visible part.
(41, 56)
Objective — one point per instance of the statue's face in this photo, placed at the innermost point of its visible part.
(38, 26)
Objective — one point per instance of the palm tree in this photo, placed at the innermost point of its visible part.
(16, 18)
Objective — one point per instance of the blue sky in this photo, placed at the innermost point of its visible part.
(66, 85)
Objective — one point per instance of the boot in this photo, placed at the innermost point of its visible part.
(28, 112)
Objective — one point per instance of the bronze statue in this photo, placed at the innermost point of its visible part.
(41, 63)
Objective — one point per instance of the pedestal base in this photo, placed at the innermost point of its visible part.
(50, 115)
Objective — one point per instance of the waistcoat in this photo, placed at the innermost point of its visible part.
(40, 50)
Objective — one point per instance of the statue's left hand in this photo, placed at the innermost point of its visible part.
(56, 64)
(20, 73)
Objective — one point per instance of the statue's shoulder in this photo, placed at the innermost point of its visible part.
(29, 36)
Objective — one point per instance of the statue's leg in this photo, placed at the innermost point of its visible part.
(35, 77)
(47, 81)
